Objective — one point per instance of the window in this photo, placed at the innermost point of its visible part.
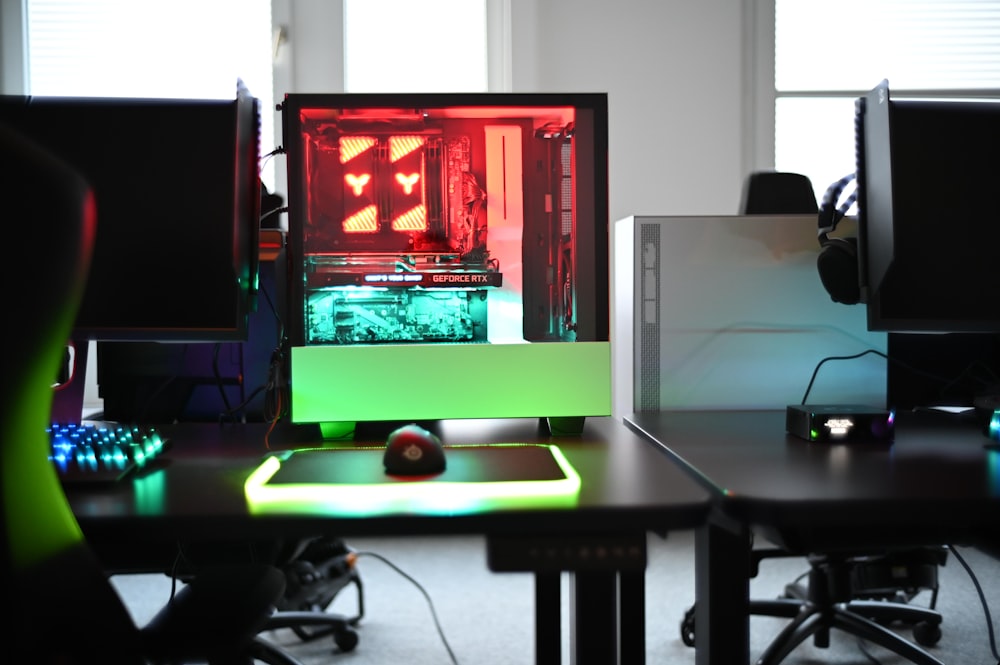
(174, 49)
(405, 46)
(827, 56)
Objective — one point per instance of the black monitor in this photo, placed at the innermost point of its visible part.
(448, 257)
(928, 216)
(928, 244)
(177, 190)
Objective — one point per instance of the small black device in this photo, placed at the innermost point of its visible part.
(838, 423)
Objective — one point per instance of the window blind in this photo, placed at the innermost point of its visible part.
(927, 45)
(826, 55)
(171, 49)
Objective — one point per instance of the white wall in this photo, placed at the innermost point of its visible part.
(672, 70)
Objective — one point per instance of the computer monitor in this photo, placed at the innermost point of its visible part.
(448, 257)
(928, 239)
(177, 190)
(928, 219)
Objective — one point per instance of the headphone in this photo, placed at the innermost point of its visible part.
(838, 257)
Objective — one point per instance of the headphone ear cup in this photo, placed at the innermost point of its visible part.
(838, 269)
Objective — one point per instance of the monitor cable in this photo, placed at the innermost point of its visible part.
(947, 382)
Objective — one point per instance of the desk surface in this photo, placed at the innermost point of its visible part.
(195, 490)
(935, 483)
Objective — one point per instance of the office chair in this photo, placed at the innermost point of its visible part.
(777, 193)
(861, 593)
(315, 571)
(63, 608)
(320, 569)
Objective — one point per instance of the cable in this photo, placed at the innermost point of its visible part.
(812, 379)
(945, 380)
(982, 600)
(229, 411)
(275, 395)
(420, 588)
(264, 159)
(273, 212)
(275, 403)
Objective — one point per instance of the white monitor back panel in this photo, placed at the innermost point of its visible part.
(729, 312)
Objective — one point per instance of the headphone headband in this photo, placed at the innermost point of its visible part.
(830, 213)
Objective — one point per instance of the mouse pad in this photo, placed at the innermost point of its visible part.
(353, 482)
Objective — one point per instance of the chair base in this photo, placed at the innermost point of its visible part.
(313, 624)
(859, 617)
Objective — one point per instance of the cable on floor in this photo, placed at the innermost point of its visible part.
(423, 591)
(982, 600)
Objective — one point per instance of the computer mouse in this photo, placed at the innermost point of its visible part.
(411, 450)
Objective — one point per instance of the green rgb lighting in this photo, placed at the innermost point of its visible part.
(450, 381)
(530, 476)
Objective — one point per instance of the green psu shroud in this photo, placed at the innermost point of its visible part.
(563, 382)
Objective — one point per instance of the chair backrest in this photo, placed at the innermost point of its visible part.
(778, 193)
(64, 607)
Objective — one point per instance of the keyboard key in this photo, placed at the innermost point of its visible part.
(97, 451)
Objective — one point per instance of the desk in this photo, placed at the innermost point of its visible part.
(194, 493)
(935, 484)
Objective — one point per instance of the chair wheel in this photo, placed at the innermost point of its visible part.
(687, 627)
(346, 639)
(926, 634)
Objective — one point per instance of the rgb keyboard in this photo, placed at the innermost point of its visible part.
(95, 451)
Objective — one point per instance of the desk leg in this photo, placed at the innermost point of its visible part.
(594, 619)
(548, 621)
(632, 617)
(607, 604)
(722, 594)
